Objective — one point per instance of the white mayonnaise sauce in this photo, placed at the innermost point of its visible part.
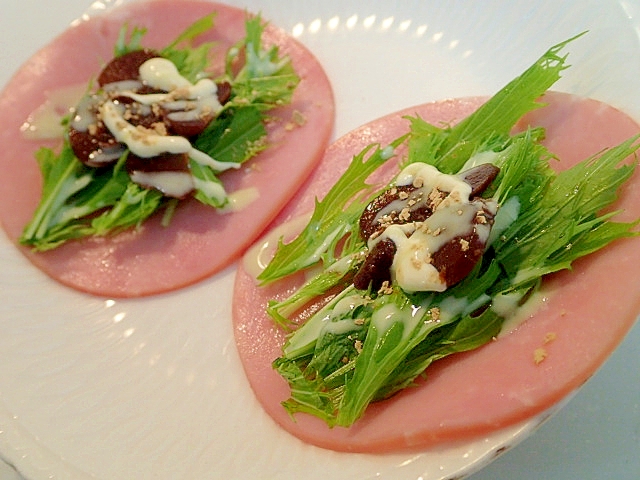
(162, 74)
(480, 158)
(508, 306)
(507, 214)
(386, 316)
(240, 199)
(45, 122)
(143, 142)
(327, 320)
(256, 259)
(260, 65)
(172, 184)
(204, 159)
(210, 189)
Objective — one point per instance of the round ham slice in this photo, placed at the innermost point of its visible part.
(585, 313)
(199, 240)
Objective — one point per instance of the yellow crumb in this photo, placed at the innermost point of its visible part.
(297, 120)
(405, 214)
(539, 354)
(480, 218)
(385, 289)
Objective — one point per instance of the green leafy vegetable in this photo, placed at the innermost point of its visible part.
(79, 201)
(364, 346)
(128, 40)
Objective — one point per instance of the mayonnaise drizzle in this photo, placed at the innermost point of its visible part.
(240, 199)
(256, 259)
(162, 74)
(141, 141)
(45, 122)
(210, 189)
(173, 184)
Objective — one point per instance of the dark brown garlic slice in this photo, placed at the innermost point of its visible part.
(458, 257)
(224, 92)
(95, 147)
(376, 268)
(480, 177)
(186, 124)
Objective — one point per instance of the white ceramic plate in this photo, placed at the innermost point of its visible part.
(152, 388)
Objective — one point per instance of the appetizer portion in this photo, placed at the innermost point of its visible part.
(162, 174)
(438, 290)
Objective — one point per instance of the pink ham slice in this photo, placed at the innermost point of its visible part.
(199, 241)
(587, 313)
